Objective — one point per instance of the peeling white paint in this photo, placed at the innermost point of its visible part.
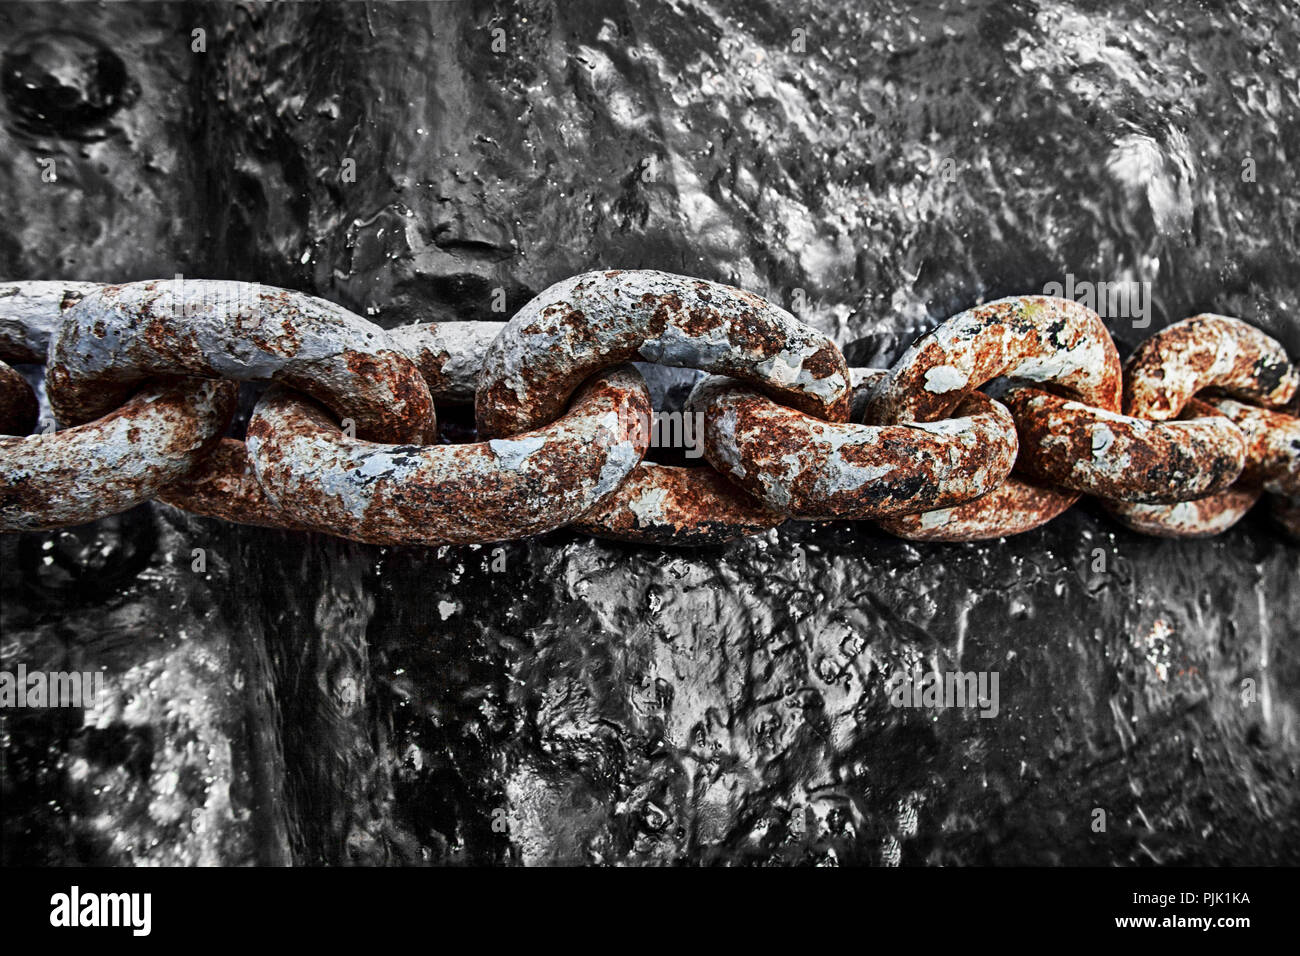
(648, 506)
(1102, 439)
(513, 451)
(937, 518)
(945, 378)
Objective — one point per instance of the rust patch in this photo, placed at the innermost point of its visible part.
(223, 485)
(1272, 445)
(1058, 344)
(18, 409)
(1206, 351)
(1014, 507)
(685, 507)
(449, 494)
(1201, 518)
(807, 468)
(1117, 456)
(97, 469)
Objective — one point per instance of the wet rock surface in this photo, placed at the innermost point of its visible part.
(280, 697)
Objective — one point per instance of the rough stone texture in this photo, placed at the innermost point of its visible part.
(312, 700)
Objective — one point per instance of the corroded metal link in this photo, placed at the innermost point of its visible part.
(105, 466)
(1273, 445)
(119, 336)
(224, 485)
(1027, 339)
(668, 504)
(1117, 456)
(1164, 372)
(448, 355)
(1201, 518)
(18, 409)
(30, 313)
(114, 463)
(449, 494)
(661, 504)
(1030, 337)
(1018, 504)
(1206, 351)
(807, 468)
(587, 322)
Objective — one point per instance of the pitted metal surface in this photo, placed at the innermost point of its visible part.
(1224, 355)
(119, 336)
(808, 468)
(1272, 445)
(1200, 518)
(439, 494)
(224, 485)
(105, 466)
(114, 463)
(1031, 338)
(590, 321)
(1041, 339)
(674, 505)
(18, 407)
(448, 355)
(1206, 351)
(1118, 456)
(30, 312)
(1013, 507)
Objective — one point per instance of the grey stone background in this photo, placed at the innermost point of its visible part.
(310, 700)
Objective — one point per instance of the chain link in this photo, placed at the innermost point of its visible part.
(993, 423)
(1025, 339)
(804, 467)
(1216, 355)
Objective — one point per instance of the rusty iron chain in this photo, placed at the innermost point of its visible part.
(993, 423)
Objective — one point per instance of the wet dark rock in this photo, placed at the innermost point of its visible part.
(89, 563)
(65, 84)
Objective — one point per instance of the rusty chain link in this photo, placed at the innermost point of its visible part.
(991, 424)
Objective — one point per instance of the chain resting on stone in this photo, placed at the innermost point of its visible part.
(994, 422)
